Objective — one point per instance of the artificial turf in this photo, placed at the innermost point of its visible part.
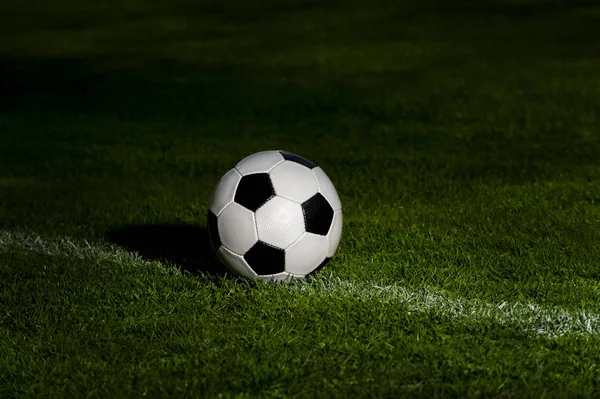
(463, 140)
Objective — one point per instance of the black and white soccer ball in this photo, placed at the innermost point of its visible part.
(275, 216)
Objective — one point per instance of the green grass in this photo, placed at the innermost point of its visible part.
(463, 140)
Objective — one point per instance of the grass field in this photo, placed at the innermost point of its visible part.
(464, 141)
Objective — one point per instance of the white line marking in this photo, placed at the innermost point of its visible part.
(524, 316)
(67, 247)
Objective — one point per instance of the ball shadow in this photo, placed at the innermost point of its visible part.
(186, 246)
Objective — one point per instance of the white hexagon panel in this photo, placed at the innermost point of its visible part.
(260, 162)
(327, 188)
(306, 254)
(294, 181)
(335, 233)
(225, 191)
(237, 228)
(236, 263)
(279, 277)
(280, 222)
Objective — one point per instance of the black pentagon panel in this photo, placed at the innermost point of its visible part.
(213, 230)
(265, 259)
(321, 266)
(254, 190)
(318, 214)
(288, 156)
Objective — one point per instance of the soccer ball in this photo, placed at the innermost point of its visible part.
(275, 216)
